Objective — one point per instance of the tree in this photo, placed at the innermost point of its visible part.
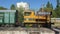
(51, 6)
(12, 7)
(20, 14)
(54, 15)
(2, 8)
(48, 7)
(57, 10)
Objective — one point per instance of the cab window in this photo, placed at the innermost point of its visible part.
(27, 13)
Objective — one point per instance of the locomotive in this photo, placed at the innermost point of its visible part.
(37, 19)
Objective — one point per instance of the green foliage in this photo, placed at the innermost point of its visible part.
(12, 7)
(54, 15)
(20, 14)
(48, 7)
(51, 6)
(57, 10)
(2, 8)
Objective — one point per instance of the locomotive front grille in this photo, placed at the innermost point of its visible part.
(41, 19)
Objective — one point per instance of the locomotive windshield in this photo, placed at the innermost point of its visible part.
(27, 13)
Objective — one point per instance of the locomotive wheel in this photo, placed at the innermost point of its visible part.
(49, 26)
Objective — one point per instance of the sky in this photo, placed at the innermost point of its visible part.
(34, 4)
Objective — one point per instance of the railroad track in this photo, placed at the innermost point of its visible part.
(28, 30)
(43, 30)
(56, 30)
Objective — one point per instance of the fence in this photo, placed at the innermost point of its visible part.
(55, 19)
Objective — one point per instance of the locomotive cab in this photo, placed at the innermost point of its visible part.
(29, 17)
(27, 13)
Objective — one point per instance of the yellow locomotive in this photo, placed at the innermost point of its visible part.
(37, 19)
